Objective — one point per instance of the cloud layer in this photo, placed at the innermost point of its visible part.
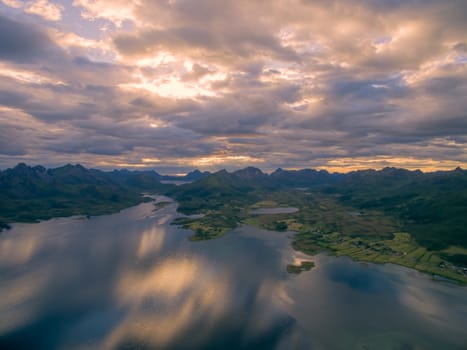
(179, 84)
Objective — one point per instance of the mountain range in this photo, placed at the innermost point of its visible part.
(430, 205)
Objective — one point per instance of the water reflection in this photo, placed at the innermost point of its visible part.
(377, 307)
(131, 280)
(17, 251)
(168, 299)
(151, 242)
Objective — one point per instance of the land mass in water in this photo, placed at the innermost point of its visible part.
(409, 218)
(303, 266)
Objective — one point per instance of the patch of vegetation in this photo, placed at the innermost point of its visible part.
(401, 249)
(265, 204)
(210, 226)
(160, 205)
(304, 266)
(432, 206)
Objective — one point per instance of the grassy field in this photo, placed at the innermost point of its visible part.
(402, 249)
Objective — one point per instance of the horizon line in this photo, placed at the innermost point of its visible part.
(103, 169)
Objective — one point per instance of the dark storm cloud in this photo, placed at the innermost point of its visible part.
(388, 5)
(236, 113)
(121, 140)
(368, 89)
(237, 43)
(20, 42)
(91, 144)
(10, 141)
(12, 98)
(446, 86)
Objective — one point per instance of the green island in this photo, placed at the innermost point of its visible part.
(304, 266)
(160, 205)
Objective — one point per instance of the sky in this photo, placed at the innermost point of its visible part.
(175, 85)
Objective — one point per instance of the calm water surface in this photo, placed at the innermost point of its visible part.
(132, 281)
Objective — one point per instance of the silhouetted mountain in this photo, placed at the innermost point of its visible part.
(211, 191)
(32, 193)
(124, 174)
(249, 173)
(193, 175)
(303, 178)
(143, 180)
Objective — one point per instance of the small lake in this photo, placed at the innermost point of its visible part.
(277, 210)
(175, 182)
(133, 281)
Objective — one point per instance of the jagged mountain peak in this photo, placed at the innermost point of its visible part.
(249, 173)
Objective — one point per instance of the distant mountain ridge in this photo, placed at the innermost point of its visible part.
(248, 173)
(311, 177)
(191, 176)
(27, 180)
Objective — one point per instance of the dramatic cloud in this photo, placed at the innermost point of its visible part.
(21, 42)
(179, 84)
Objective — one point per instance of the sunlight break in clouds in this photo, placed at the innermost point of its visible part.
(43, 8)
(13, 3)
(116, 11)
